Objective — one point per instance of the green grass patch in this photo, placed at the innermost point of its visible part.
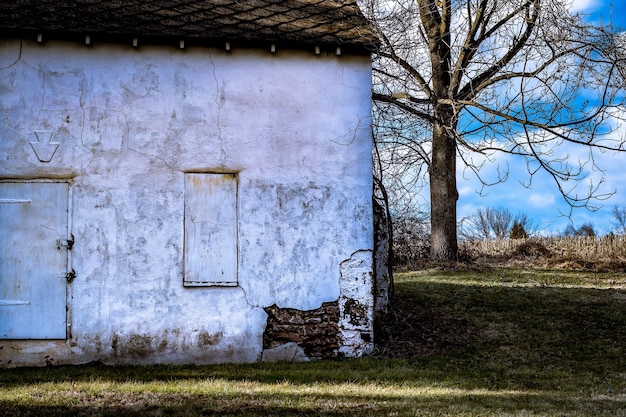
(506, 342)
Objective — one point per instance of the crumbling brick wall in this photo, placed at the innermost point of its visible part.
(315, 331)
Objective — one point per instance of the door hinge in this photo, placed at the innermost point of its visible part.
(70, 275)
(65, 243)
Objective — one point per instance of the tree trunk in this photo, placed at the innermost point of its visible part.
(443, 192)
(436, 16)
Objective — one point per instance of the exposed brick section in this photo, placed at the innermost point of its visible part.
(315, 331)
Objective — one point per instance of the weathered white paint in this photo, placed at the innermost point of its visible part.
(128, 124)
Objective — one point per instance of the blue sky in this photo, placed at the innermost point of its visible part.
(543, 203)
(603, 10)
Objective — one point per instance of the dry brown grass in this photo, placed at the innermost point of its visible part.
(573, 253)
(606, 253)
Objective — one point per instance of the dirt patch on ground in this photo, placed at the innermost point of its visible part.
(410, 331)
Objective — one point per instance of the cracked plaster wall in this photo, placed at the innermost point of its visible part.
(130, 122)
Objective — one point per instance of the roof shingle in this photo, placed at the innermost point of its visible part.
(337, 22)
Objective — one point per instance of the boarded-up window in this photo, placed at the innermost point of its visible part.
(210, 229)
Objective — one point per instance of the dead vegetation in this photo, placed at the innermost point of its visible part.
(600, 254)
(605, 254)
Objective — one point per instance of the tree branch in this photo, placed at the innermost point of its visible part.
(475, 85)
(403, 106)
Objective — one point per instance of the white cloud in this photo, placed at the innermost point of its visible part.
(584, 5)
(466, 210)
(542, 200)
(466, 190)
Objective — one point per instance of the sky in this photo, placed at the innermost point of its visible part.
(603, 11)
(542, 203)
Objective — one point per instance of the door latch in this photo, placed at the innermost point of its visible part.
(65, 243)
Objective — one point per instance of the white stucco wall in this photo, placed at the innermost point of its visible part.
(130, 122)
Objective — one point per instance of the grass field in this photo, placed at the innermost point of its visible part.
(506, 342)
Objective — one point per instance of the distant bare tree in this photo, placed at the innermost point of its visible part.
(586, 230)
(493, 223)
(523, 227)
(619, 219)
(411, 240)
(467, 80)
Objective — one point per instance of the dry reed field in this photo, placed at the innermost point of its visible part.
(607, 253)
(581, 247)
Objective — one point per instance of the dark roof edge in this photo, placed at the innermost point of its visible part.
(348, 48)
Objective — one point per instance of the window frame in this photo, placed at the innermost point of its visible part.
(211, 229)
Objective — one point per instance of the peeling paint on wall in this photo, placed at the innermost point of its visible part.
(356, 305)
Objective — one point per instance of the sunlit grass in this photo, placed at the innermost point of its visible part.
(541, 343)
(246, 397)
(232, 397)
(521, 277)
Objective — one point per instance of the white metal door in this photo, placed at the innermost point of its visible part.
(33, 260)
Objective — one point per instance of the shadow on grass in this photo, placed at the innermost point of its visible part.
(490, 351)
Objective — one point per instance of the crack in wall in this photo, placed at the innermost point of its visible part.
(218, 103)
(19, 57)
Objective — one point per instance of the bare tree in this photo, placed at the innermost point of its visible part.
(467, 80)
(619, 219)
(493, 223)
(586, 230)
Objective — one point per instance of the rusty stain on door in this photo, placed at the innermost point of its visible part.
(33, 265)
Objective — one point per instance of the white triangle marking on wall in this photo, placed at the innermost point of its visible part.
(44, 147)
